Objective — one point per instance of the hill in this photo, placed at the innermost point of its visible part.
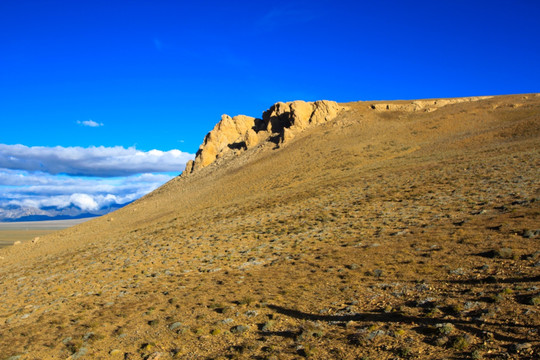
(403, 229)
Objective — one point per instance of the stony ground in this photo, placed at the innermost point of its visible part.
(381, 235)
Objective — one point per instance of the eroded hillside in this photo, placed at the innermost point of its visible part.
(389, 230)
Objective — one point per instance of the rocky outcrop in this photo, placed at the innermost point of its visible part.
(227, 135)
(423, 105)
(279, 124)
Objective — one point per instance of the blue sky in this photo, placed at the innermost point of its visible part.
(159, 74)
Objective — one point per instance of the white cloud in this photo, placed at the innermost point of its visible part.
(92, 161)
(89, 123)
(84, 201)
(20, 184)
(68, 181)
(37, 190)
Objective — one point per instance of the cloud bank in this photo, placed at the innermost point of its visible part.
(70, 181)
(40, 190)
(93, 161)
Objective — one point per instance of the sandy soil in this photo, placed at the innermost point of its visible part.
(379, 235)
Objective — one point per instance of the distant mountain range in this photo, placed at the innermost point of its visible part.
(15, 213)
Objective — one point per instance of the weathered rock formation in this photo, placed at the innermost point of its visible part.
(279, 124)
(423, 105)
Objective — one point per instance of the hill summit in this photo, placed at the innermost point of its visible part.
(371, 229)
(280, 123)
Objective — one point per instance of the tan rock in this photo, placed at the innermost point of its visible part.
(189, 167)
(116, 353)
(225, 135)
(275, 118)
(423, 105)
(237, 134)
(207, 155)
(286, 135)
(251, 138)
(324, 110)
(301, 113)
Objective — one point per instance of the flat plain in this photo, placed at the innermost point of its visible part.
(382, 234)
(11, 232)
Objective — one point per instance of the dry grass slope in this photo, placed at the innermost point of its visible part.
(377, 235)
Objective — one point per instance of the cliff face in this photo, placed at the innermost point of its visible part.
(279, 124)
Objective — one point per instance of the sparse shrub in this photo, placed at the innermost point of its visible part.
(177, 353)
(215, 306)
(267, 326)
(404, 352)
(476, 355)
(150, 311)
(461, 342)
(434, 312)
(307, 351)
(246, 301)
(119, 331)
(445, 329)
(504, 253)
(238, 329)
(310, 330)
(535, 300)
(148, 346)
(197, 331)
(497, 297)
(91, 337)
(175, 325)
(268, 348)
(441, 341)
(251, 313)
(457, 309)
(458, 271)
(74, 345)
